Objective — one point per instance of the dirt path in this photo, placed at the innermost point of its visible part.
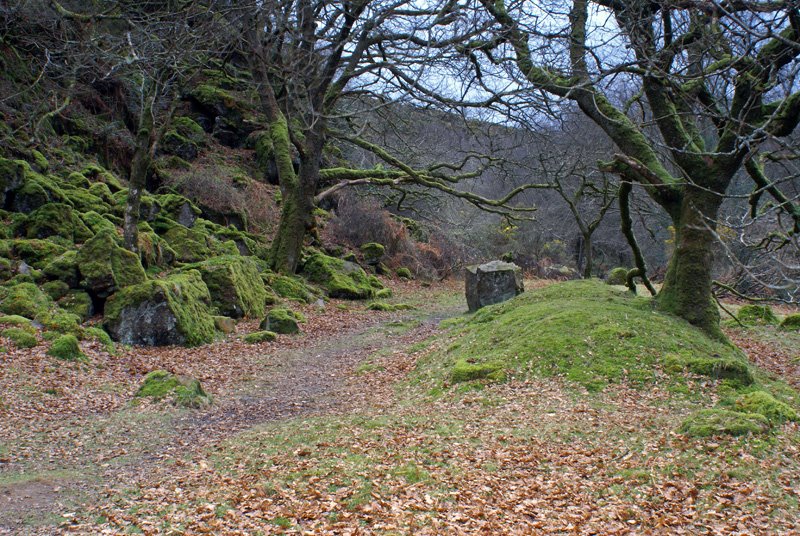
(124, 447)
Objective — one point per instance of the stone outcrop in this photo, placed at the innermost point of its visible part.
(493, 282)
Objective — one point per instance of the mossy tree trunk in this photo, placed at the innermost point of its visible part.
(587, 255)
(140, 166)
(687, 286)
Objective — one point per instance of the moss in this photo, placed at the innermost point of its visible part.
(791, 322)
(464, 371)
(225, 324)
(765, 404)
(617, 276)
(154, 250)
(93, 333)
(37, 253)
(78, 303)
(290, 287)
(97, 223)
(55, 289)
(103, 192)
(757, 315)
(106, 267)
(97, 173)
(84, 201)
(713, 367)
(25, 300)
(64, 268)
(186, 298)
(373, 252)
(283, 321)
(585, 331)
(260, 336)
(178, 208)
(19, 337)
(40, 161)
(190, 394)
(18, 321)
(66, 347)
(712, 422)
(235, 285)
(341, 279)
(188, 127)
(77, 180)
(383, 294)
(188, 244)
(404, 273)
(158, 384)
(383, 306)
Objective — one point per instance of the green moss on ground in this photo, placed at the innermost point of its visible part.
(18, 321)
(56, 219)
(64, 268)
(78, 303)
(464, 371)
(713, 367)
(20, 337)
(383, 306)
(340, 278)
(586, 331)
(713, 422)
(765, 404)
(235, 285)
(55, 289)
(757, 315)
(66, 347)
(373, 252)
(791, 322)
(260, 336)
(186, 392)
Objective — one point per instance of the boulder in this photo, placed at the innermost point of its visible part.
(493, 282)
(171, 311)
(106, 267)
(342, 279)
(282, 321)
(235, 285)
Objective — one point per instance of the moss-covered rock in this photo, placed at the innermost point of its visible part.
(97, 223)
(765, 404)
(17, 321)
(25, 299)
(757, 315)
(20, 337)
(464, 371)
(373, 253)
(791, 322)
(260, 336)
(99, 174)
(290, 287)
(154, 250)
(186, 392)
(283, 321)
(35, 252)
(235, 285)
(55, 289)
(383, 306)
(66, 347)
(383, 294)
(711, 422)
(178, 208)
(189, 245)
(106, 267)
(12, 175)
(60, 321)
(78, 303)
(340, 278)
(404, 273)
(64, 268)
(171, 311)
(617, 276)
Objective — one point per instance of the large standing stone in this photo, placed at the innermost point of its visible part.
(493, 282)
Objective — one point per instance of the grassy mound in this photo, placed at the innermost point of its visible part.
(588, 332)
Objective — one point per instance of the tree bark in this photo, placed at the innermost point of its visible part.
(587, 255)
(140, 165)
(687, 285)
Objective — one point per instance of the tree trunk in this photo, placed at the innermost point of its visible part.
(687, 285)
(136, 184)
(587, 254)
(297, 189)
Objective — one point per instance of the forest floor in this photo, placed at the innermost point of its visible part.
(328, 432)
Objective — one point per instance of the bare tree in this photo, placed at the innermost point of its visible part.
(713, 82)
